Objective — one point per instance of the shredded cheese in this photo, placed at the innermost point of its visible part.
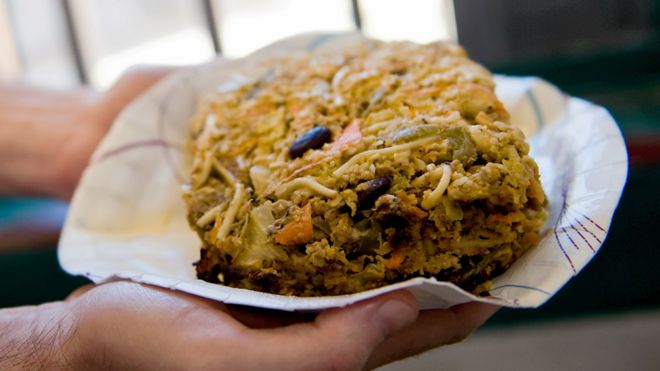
(259, 176)
(210, 215)
(209, 124)
(234, 205)
(226, 174)
(203, 176)
(307, 182)
(378, 126)
(384, 151)
(336, 80)
(208, 130)
(431, 199)
(338, 76)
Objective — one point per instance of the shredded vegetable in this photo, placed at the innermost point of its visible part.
(226, 175)
(432, 198)
(309, 183)
(200, 178)
(234, 205)
(382, 152)
(210, 215)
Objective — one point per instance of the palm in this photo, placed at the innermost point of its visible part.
(132, 322)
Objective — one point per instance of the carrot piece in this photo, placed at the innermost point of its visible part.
(298, 230)
(350, 135)
(394, 262)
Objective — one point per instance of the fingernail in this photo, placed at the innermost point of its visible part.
(394, 315)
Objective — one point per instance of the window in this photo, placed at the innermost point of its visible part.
(9, 68)
(67, 42)
(421, 21)
(115, 35)
(247, 25)
(42, 45)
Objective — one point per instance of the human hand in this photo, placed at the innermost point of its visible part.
(125, 325)
(47, 136)
(91, 123)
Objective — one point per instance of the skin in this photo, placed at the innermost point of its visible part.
(46, 140)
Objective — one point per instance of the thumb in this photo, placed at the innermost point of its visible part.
(342, 339)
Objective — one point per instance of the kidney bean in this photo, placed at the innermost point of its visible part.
(375, 188)
(315, 138)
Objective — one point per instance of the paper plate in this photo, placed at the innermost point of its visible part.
(127, 218)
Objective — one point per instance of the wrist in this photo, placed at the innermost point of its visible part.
(38, 337)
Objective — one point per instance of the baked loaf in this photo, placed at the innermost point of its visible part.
(332, 173)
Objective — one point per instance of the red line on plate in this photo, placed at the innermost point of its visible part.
(582, 236)
(132, 146)
(569, 238)
(592, 222)
(561, 247)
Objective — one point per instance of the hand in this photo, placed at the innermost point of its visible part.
(47, 137)
(92, 123)
(125, 325)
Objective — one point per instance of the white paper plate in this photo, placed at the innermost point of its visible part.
(127, 219)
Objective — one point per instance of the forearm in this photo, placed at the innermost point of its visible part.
(35, 125)
(34, 338)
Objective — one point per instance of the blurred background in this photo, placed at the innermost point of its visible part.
(606, 51)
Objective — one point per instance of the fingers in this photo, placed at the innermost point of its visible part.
(339, 339)
(91, 123)
(139, 78)
(133, 83)
(433, 328)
